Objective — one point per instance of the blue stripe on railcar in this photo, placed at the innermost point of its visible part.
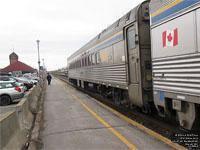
(174, 9)
(109, 42)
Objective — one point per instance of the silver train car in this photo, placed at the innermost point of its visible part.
(121, 60)
(175, 36)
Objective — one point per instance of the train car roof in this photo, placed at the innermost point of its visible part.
(112, 29)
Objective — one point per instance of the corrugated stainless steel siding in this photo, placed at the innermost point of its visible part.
(156, 5)
(109, 74)
(177, 74)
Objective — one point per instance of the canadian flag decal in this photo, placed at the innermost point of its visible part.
(170, 38)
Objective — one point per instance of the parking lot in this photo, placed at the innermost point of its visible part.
(13, 89)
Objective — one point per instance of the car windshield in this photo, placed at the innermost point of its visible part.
(12, 79)
(7, 78)
(4, 79)
(27, 77)
(24, 78)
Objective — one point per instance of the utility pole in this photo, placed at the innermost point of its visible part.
(38, 41)
(44, 67)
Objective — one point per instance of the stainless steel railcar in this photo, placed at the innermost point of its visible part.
(175, 36)
(118, 64)
(118, 60)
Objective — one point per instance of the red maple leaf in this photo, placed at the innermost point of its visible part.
(169, 37)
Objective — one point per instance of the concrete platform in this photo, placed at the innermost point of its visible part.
(73, 120)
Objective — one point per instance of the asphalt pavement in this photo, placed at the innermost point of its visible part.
(73, 120)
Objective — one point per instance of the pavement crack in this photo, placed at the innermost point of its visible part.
(77, 130)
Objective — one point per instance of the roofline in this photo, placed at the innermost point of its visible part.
(136, 8)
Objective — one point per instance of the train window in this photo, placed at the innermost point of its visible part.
(128, 16)
(79, 63)
(131, 39)
(98, 59)
(86, 61)
(93, 59)
(89, 60)
(99, 35)
(117, 23)
(83, 64)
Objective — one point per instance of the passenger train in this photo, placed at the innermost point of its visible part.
(148, 58)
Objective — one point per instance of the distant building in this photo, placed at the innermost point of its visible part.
(13, 58)
(17, 67)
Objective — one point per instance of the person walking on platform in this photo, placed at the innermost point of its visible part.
(49, 79)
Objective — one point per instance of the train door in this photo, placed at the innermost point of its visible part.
(132, 46)
(132, 54)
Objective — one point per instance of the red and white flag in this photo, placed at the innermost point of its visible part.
(170, 37)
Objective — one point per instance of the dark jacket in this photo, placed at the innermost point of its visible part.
(48, 77)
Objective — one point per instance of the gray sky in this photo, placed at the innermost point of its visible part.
(62, 26)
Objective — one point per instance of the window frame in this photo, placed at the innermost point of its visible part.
(131, 40)
(98, 58)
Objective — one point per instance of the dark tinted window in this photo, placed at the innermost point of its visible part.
(83, 63)
(89, 60)
(86, 61)
(4, 79)
(128, 16)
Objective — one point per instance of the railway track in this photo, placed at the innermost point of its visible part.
(163, 126)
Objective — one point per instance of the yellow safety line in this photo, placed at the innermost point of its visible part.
(158, 136)
(167, 7)
(115, 132)
(150, 132)
(122, 138)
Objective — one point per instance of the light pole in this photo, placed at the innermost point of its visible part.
(38, 41)
(43, 64)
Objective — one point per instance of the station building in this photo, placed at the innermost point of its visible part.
(17, 67)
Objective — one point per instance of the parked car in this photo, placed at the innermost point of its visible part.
(7, 78)
(27, 85)
(10, 92)
(21, 85)
(30, 78)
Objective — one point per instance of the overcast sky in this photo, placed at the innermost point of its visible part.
(62, 26)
